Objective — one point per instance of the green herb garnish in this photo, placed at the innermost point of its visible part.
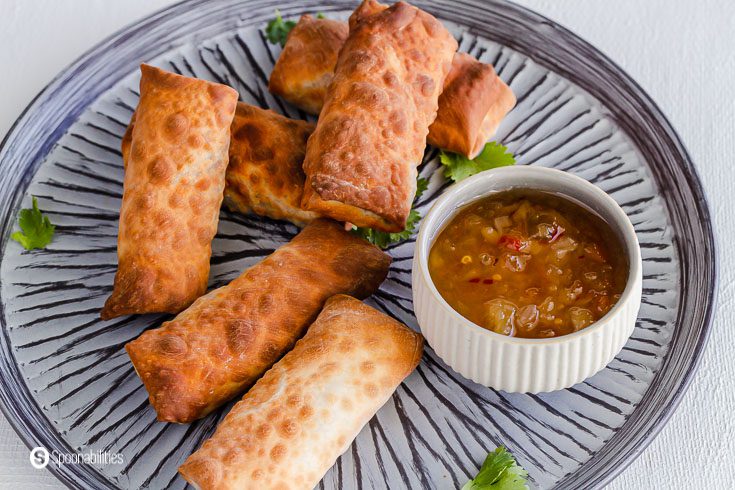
(381, 238)
(458, 167)
(37, 229)
(421, 186)
(499, 472)
(277, 30)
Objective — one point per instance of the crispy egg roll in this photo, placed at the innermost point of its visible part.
(175, 156)
(306, 65)
(265, 175)
(361, 160)
(127, 141)
(228, 338)
(473, 103)
(291, 427)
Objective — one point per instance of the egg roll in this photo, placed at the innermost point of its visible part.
(127, 141)
(175, 157)
(361, 159)
(473, 103)
(265, 175)
(306, 65)
(228, 338)
(291, 427)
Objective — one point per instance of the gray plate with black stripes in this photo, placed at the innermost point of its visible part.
(67, 384)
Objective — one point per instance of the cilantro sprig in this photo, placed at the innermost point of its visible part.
(421, 185)
(278, 29)
(499, 472)
(381, 238)
(458, 167)
(37, 230)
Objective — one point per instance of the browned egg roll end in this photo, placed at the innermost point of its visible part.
(265, 175)
(291, 427)
(127, 141)
(368, 8)
(302, 74)
(228, 338)
(474, 102)
(175, 159)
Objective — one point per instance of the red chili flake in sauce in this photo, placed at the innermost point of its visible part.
(474, 280)
(487, 281)
(581, 257)
(511, 242)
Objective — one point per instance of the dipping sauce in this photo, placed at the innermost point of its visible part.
(529, 264)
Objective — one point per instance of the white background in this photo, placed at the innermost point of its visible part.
(681, 52)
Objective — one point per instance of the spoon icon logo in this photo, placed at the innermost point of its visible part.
(39, 457)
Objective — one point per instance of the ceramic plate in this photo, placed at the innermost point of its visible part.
(67, 384)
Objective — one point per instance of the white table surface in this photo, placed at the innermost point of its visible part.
(681, 52)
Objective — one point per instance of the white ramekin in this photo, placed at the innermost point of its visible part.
(516, 364)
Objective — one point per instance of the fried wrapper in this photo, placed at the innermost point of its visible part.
(127, 141)
(265, 175)
(306, 65)
(361, 160)
(474, 102)
(291, 427)
(227, 339)
(175, 156)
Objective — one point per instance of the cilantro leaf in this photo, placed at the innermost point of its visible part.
(320, 15)
(499, 472)
(421, 185)
(277, 29)
(458, 167)
(381, 238)
(37, 229)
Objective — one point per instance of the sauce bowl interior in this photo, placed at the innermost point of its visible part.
(543, 179)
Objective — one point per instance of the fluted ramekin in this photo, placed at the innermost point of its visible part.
(518, 364)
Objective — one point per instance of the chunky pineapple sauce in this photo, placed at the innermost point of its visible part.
(529, 264)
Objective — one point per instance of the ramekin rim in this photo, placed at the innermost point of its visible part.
(453, 196)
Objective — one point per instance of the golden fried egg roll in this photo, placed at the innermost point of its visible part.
(361, 160)
(265, 175)
(306, 65)
(474, 101)
(127, 141)
(291, 427)
(228, 338)
(175, 157)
